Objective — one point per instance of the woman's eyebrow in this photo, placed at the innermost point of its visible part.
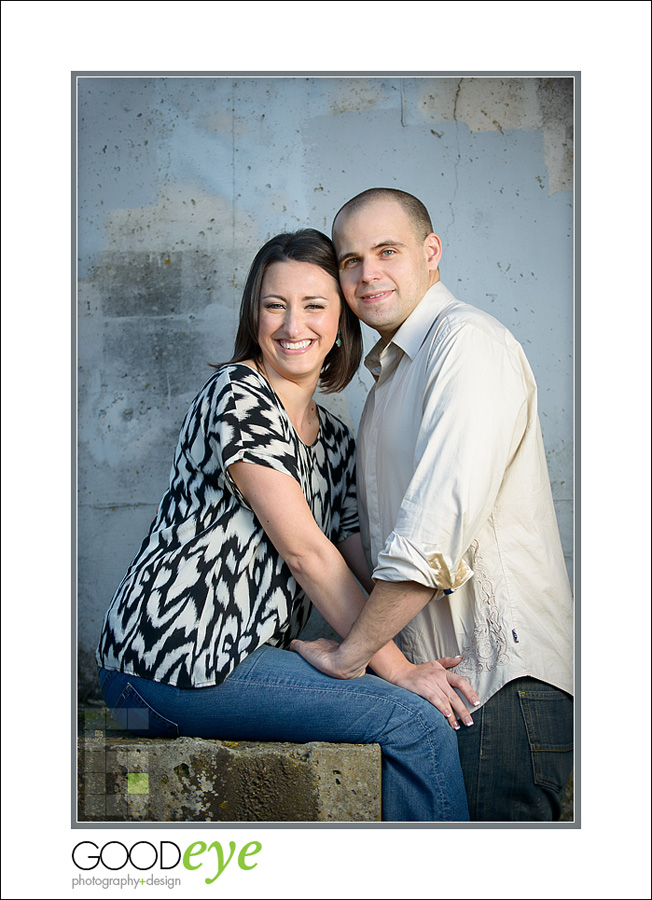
(305, 297)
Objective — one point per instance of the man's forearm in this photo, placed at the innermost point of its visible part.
(391, 605)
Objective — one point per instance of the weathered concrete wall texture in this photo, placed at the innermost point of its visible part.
(181, 180)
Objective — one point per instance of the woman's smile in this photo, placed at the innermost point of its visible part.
(295, 346)
(298, 319)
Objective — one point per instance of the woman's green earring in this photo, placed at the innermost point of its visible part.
(338, 339)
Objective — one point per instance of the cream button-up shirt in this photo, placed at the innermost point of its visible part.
(454, 494)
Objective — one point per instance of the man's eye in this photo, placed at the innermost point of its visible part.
(351, 261)
(388, 252)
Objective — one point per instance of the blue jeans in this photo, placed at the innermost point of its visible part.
(518, 755)
(275, 695)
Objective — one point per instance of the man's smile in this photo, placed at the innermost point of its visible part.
(377, 295)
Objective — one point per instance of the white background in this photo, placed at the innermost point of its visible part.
(609, 44)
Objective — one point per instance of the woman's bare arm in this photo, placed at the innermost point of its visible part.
(323, 573)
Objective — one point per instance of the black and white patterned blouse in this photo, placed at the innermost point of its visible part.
(207, 586)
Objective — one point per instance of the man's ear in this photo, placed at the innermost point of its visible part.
(433, 249)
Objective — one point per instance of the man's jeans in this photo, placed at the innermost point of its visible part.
(518, 755)
(275, 695)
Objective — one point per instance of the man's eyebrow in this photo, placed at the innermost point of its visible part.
(386, 243)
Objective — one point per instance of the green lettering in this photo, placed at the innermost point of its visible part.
(244, 852)
(221, 865)
(190, 852)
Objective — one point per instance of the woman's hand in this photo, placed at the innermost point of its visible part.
(434, 682)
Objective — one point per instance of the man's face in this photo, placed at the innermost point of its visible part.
(385, 266)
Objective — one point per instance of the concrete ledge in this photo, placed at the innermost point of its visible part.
(123, 778)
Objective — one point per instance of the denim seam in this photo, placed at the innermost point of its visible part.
(300, 687)
(478, 776)
(110, 675)
(444, 804)
(130, 689)
(544, 695)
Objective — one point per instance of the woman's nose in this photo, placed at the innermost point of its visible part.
(293, 321)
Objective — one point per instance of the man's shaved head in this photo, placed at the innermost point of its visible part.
(414, 209)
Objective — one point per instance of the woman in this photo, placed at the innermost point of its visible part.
(261, 508)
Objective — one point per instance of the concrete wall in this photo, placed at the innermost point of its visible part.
(182, 179)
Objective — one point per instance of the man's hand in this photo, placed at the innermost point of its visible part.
(326, 656)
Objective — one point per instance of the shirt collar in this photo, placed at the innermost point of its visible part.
(412, 333)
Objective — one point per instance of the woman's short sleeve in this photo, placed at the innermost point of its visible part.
(243, 423)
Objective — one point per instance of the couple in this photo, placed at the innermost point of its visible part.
(261, 514)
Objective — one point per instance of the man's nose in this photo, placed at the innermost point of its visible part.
(369, 271)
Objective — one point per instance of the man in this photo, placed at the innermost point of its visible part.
(457, 511)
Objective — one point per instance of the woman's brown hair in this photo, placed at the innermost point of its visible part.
(311, 246)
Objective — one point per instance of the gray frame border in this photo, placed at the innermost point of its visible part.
(576, 75)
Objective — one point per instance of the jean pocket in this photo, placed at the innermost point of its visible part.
(548, 719)
(135, 714)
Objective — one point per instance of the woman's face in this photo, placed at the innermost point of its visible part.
(298, 319)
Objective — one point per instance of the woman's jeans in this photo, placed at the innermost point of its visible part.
(275, 695)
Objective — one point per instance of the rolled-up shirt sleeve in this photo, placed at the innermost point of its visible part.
(473, 414)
